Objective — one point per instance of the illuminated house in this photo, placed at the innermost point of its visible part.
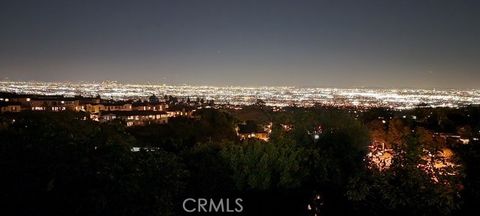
(245, 131)
(87, 101)
(117, 106)
(94, 108)
(53, 103)
(12, 97)
(136, 113)
(183, 111)
(43, 102)
(176, 113)
(155, 106)
(10, 107)
(108, 106)
(133, 118)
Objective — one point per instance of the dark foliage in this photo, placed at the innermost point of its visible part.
(62, 164)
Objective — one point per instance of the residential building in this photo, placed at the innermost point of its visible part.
(133, 118)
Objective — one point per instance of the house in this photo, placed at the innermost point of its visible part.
(180, 111)
(94, 107)
(133, 113)
(41, 102)
(13, 97)
(136, 117)
(52, 103)
(155, 106)
(249, 131)
(117, 106)
(10, 107)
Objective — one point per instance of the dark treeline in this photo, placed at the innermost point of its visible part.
(61, 164)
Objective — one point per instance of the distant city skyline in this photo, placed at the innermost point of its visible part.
(343, 43)
(273, 96)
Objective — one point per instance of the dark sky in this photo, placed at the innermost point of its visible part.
(339, 43)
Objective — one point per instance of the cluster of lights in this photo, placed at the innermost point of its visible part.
(434, 164)
(379, 157)
(273, 96)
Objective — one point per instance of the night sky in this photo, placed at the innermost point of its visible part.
(357, 43)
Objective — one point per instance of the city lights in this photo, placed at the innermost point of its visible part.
(272, 96)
